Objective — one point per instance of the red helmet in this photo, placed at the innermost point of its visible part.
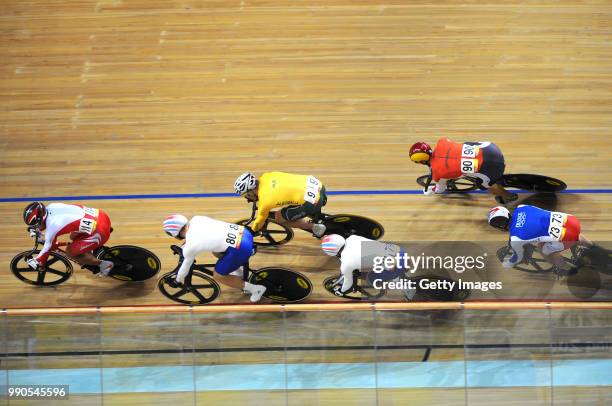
(34, 214)
(420, 152)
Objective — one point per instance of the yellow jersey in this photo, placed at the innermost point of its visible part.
(279, 189)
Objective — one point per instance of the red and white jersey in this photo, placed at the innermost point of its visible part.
(64, 219)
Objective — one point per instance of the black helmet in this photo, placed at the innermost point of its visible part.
(34, 214)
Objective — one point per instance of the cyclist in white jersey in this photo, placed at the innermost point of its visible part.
(352, 257)
(232, 242)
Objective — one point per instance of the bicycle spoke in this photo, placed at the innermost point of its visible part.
(201, 297)
(276, 232)
(56, 272)
(209, 286)
(180, 293)
(24, 270)
(53, 260)
(269, 238)
(40, 279)
(536, 264)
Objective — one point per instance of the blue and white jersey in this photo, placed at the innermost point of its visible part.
(532, 225)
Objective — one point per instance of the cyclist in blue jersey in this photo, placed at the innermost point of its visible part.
(551, 232)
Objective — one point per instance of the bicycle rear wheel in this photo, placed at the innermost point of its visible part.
(535, 183)
(282, 285)
(595, 257)
(132, 263)
(350, 224)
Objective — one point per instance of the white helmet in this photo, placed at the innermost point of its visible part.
(245, 182)
(174, 223)
(499, 217)
(332, 244)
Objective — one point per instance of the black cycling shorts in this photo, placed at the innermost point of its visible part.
(293, 213)
(492, 168)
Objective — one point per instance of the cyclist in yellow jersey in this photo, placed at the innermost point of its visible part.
(299, 196)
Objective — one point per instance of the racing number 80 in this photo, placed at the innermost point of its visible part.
(231, 237)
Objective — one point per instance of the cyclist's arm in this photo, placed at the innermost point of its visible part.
(50, 241)
(518, 252)
(347, 272)
(263, 210)
(188, 258)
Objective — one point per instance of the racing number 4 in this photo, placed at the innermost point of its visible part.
(87, 225)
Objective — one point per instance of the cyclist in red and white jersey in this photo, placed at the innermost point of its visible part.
(87, 227)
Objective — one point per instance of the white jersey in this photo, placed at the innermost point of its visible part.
(207, 235)
(353, 257)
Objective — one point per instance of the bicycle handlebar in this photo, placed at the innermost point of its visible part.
(37, 240)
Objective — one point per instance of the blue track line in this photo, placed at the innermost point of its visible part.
(218, 195)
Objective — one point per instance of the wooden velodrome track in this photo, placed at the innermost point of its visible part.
(116, 97)
(123, 98)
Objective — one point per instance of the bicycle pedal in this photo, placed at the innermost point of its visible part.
(93, 269)
(173, 283)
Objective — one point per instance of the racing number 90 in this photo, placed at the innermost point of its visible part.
(467, 166)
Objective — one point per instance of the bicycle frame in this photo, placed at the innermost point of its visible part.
(56, 248)
(204, 268)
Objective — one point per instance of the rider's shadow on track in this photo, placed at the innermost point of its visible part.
(93, 292)
(458, 199)
(546, 201)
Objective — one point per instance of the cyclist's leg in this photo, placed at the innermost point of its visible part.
(388, 274)
(583, 240)
(493, 169)
(83, 244)
(552, 252)
(295, 216)
(233, 259)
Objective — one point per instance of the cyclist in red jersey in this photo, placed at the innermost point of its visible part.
(87, 227)
(479, 161)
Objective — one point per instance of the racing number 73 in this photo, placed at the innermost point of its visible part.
(556, 224)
